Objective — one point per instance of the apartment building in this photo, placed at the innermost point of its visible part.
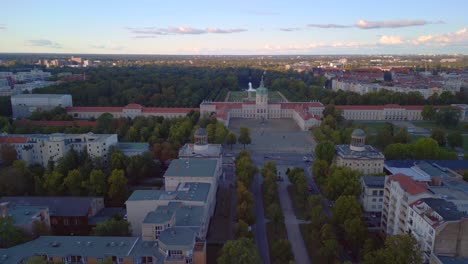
(400, 192)
(23, 105)
(439, 227)
(42, 148)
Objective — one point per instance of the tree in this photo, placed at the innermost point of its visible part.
(455, 139)
(329, 250)
(117, 186)
(7, 154)
(244, 136)
(281, 251)
(426, 148)
(438, 135)
(231, 139)
(320, 171)
(16, 179)
(97, 182)
(342, 181)
(384, 138)
(398, 249)
(10, 235)
(465, 176)
(402, 136)
(37, 260)
(113, 227)
(53, 183)
(355, 232)
(73, 182)
(241, 229)
(220, 134)
(104, 123)
(275, 214)
(448, 117)
(325, 151)
(346, 207)
(428, 113)
(239, 251)
(118, 160)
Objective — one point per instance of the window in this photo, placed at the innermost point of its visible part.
(374, 200)
(66, 221)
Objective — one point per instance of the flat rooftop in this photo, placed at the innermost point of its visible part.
(186, 167)
(374, 181)
(55, 96)
(420, 170)
(189, 191)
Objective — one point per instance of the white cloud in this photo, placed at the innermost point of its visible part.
(390, 40)
(328, 26)
(3, 27)
(107, 47)
(364, 24)
(457, 37)
(289, 29)
(43, 43)
(181, 31)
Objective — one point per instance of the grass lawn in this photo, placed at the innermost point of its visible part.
(300, 213)
(372, 127)
(239, 96)
(430, 125)
(465, 143)
(414, 138)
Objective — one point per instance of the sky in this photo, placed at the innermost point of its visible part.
(234, 27)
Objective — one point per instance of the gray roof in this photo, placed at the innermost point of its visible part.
(369, 152)
(211, 151)
(444, 208)
(452, 260)
(189, 191)
(22, 215)
(58, 205)
(374, 181)
(106, 214)
(201, 132)
(191, 168)
(89, 246)
(177, 238)
(358, 133)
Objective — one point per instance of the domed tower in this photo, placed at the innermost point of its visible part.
(358, 140)
(261, 101)
(201, 139)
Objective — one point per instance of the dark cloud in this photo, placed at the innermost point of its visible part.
(43, 43)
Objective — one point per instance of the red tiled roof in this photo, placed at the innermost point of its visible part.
(13, 140)
(409, 185)
(167, 110)
(77, 123)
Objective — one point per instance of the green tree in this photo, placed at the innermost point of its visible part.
(73, 182)
(53, 183)
(325, 151)
(10, 235)
(345, 208)
(241, 229)
(384, 138)
(402, 136)
(118, 160)
(244, 136)
(448, 117)
(220, 134)
(329, 250)
(428, 113)
(239, 251)
(455, 139)
(438, 135)
(281, 251)
(97, 182)
(275, 214)
(37, 260)
(342, 181)
(117, 186)
(320, 171)
(104, 123)
(113, 227)
(231, 139)
(398, 249)
(7, 154)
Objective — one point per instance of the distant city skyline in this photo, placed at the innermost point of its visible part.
(234, 27)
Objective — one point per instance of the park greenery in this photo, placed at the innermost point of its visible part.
(279, 246)
(242, 249)
(115, 226)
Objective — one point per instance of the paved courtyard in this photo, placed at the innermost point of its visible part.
(274, 135)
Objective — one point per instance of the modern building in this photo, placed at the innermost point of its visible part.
(23, 105)
(359, 156)
(68, 215)
(439, 227)
(427, 171)
(400, 192)
(371, 199)
(42, 148)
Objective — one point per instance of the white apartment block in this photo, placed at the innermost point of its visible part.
(41, 148)
(399, 193)
(439, 227)
(23, 105)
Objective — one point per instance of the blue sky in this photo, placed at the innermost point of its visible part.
(234, 27)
